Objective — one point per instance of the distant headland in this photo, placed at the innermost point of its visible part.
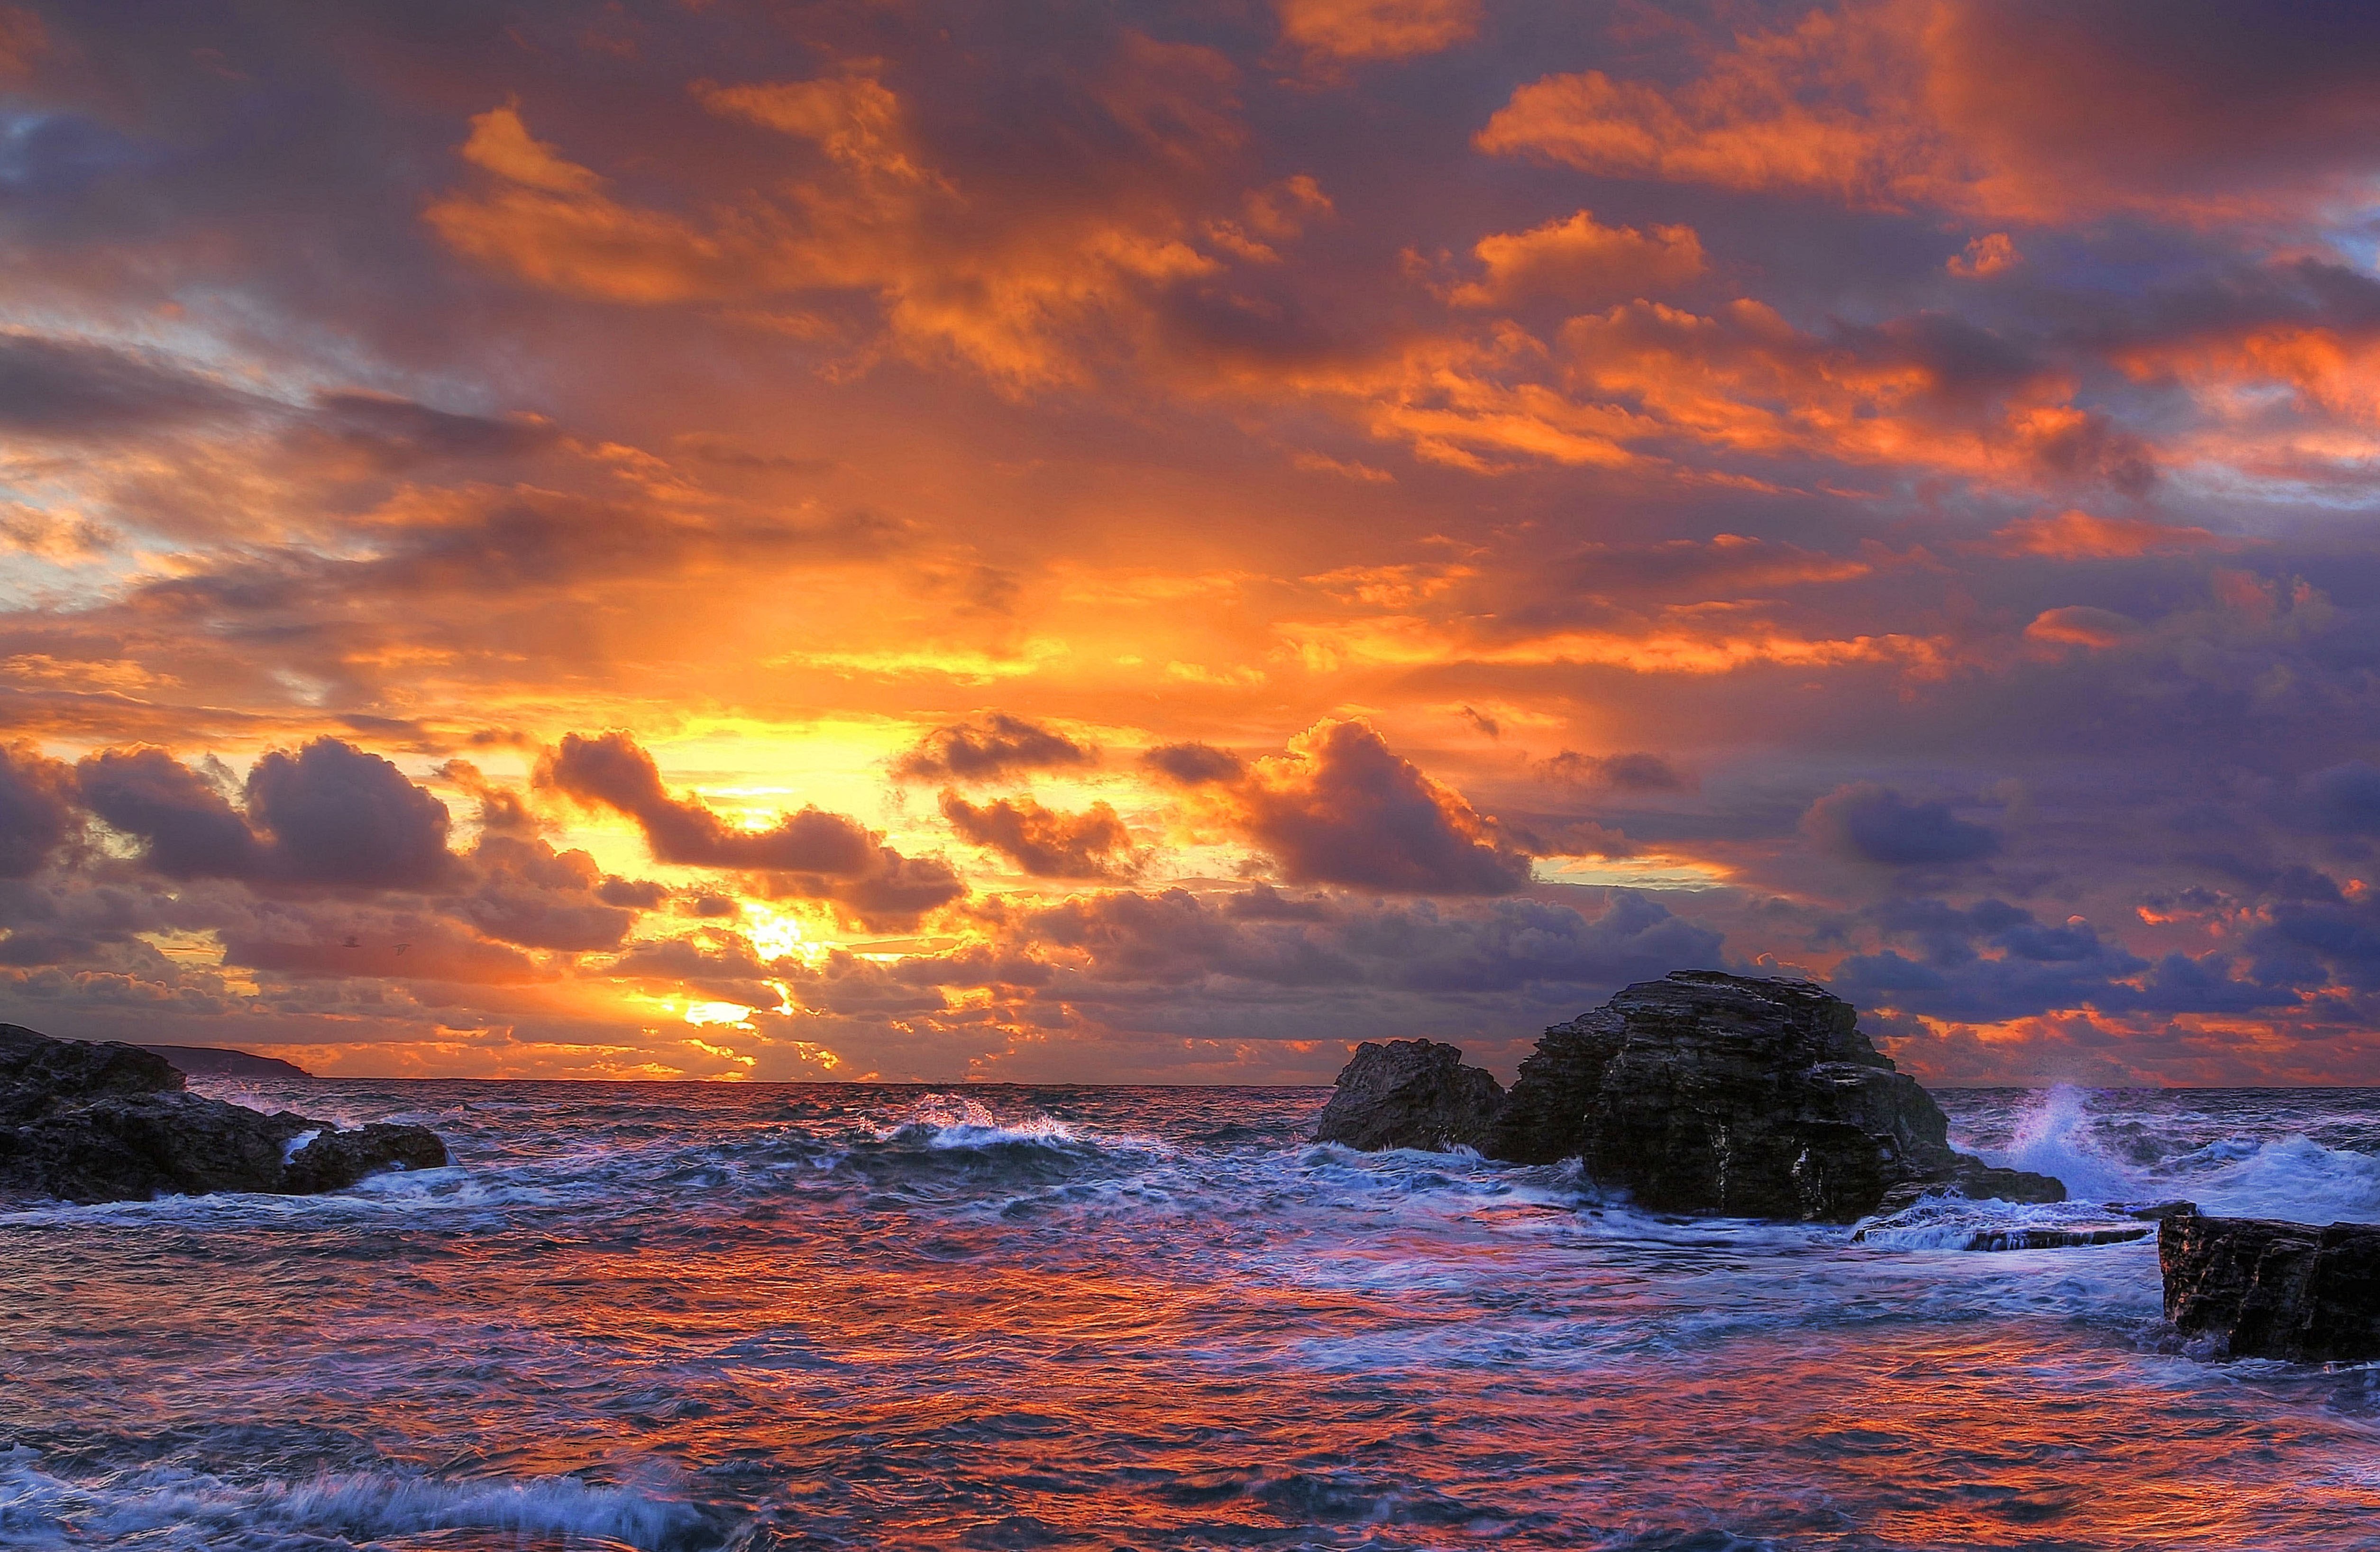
(217, 1062)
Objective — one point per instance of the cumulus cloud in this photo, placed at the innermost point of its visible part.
(330, 815)
(1867, 822)
(990, 746)
(1044, 843)
(1340, 807)
(528, 893)
(36, 809)
(335, 814)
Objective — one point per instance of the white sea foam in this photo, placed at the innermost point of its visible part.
(2293, 1177)
(170, 1507)
(2290, 1177)
(953, 1121)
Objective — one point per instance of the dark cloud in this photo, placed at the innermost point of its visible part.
(897, 890)
(188, 829)
(330, 815)
(1046, 843)
(1194, 765)
(36, 809)
(1344, 808)
(2345, 799)
(1175, 938)
(1991, 962)
(1871, 823)
(337, 815)
(397, 433)
(75, 389)
(992, 745)
(525, 892)
(1626, 773)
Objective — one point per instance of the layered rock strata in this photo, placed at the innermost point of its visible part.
(110, 1122)
(1699, 1093)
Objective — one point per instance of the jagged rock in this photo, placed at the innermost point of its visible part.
(101, 1121)
(1413, 1094)
(2258, 1288)
(1699, 1093)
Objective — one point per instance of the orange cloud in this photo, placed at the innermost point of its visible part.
(2030, 111)
(1580, 260)
(2077, 535)
(1986, 255)
(1826, 106)
(1006, 280)
(1367, 29)
(2082, 625)
(1044, 843)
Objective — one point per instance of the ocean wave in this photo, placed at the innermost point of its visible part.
(2106, 1151)
(175, 1507)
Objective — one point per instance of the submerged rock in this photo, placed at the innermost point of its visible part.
(100, 1121)
(2259, 1288)
(1948, 1224)
(1699, 1093)
(1412, 1094)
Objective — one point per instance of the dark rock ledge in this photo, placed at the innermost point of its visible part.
(2257, 1288)
(110, 1122)
(1699, 1093)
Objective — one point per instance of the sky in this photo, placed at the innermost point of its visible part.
(1153, 542)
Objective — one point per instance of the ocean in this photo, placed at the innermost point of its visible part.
(690, 1316)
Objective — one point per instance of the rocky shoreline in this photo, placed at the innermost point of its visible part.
(1700, 1093)
(1710, 1094)
(104, 1122)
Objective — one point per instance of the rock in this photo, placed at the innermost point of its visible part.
(337, 1160)
(1971, 1177)
(2259, 1288)
(1699, 1093)
(1413, 1094)
(100, 1121)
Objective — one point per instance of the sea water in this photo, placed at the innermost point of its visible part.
(695, 1317)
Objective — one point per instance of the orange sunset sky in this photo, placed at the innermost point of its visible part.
(1152, 542)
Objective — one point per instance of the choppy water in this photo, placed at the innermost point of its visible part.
(684, 1316)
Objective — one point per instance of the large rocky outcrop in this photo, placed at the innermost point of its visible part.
(1699, 1093)
(2257, 1288)
(1412, 1094)
(110, 1122)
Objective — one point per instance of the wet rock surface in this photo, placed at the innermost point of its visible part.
(1699, 1093)
(2260, 1287)
(100, 1121)
(1412, 1094)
